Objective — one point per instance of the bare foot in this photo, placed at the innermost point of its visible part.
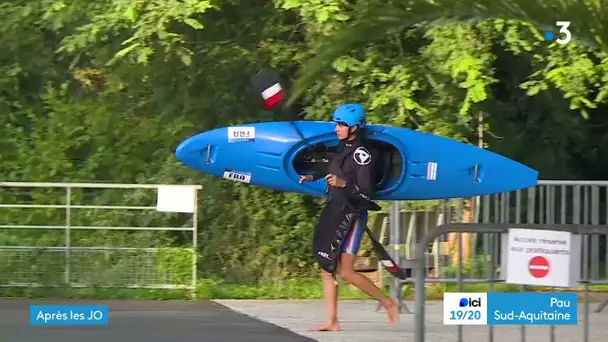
(328, 326)
(393, 311)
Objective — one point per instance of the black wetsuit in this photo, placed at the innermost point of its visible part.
(348, 206)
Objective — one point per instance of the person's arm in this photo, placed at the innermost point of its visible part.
(363, 185)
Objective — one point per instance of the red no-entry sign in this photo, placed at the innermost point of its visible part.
(538, 267)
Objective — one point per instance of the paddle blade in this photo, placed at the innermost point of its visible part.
(267, 85)
(385, 259)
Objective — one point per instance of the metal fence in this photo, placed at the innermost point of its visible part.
(471, 253)
(497, 230)
(83, 235)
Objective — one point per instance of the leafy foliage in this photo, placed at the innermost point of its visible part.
(104, 91)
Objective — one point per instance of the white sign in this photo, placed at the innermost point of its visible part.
(238, 176)
(541, 257)
(241, 134)
(176, 199)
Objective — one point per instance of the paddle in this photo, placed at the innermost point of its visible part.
(267, 84)
(385, 259)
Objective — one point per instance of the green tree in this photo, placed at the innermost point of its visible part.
(104, 91)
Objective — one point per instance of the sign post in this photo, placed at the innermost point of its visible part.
(541, 257)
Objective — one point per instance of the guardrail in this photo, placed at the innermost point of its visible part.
(550, 202)
(496, 230)
(60, 234)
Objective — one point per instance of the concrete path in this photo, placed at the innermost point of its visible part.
(264, 321)
(143, 321)
(360, 322)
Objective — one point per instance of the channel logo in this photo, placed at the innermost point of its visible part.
(469, 302)
(465, 308)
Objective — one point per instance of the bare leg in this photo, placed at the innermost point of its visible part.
(348, 273)
(330, 290)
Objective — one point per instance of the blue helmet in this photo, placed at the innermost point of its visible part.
(350, 114)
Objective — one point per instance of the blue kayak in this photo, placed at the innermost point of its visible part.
(411, 165)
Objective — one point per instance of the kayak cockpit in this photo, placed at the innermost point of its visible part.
(315, 159)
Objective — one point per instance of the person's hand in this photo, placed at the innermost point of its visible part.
(305, 178)
(335, 181)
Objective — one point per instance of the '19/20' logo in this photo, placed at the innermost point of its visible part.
(464, 308)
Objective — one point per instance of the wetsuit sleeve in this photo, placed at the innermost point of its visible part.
(363, 184)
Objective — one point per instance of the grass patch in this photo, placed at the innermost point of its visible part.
(206, 289)
(94, 293)
(292, 289)
(436, 291)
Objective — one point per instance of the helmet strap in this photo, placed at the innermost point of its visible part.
(351, 132)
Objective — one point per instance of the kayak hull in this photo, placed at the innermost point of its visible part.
(412, 165)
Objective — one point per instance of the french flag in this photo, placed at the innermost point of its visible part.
(273, 95)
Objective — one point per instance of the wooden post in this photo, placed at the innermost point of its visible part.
(466, 237)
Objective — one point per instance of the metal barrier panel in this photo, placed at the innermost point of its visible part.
(474, 257)
(497, 230)
(85, 235)
(408, 221)
(551, 202)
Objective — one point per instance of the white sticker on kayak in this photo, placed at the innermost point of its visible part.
(431, 171)
(237, 176)
(237, 134)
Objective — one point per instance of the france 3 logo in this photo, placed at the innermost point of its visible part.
(462, 308)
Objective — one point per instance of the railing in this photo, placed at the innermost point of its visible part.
(93, 237)
(496, 230)
(472, 255)
(550, 202)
